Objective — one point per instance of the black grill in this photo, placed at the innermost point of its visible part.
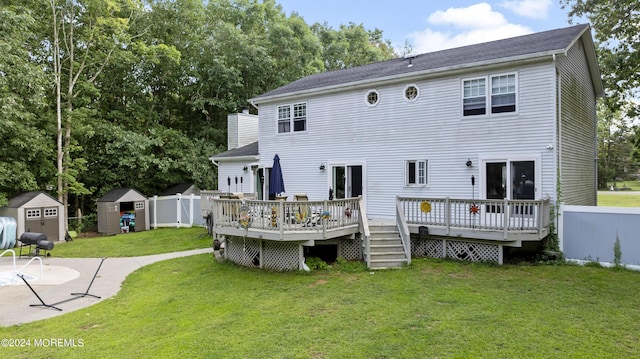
(39, 240)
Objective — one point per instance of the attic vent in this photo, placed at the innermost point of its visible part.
(410, 57)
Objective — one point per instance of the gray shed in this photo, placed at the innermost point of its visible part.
(123, 210)
(37, 212)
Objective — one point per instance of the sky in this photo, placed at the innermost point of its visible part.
(431, 25)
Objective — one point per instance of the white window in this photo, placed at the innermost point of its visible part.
(299, 118)
(372, 98)
(474, 100)
(416, 173)
(33, 213)
(139, 205)
(501, 96)
(284, 119)
(503, 93)
(51, 212)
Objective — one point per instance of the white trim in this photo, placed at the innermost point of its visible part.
(484, 158)
(488, 93)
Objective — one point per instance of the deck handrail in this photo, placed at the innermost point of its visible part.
(282, 217)
(403, 229)
(478, 214)
(365, 231)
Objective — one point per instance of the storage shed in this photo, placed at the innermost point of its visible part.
(37, 212)
(123, 210)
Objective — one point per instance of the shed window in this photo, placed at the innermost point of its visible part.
(416, 173)
(33, 213)
(139, 205)
(51, 212)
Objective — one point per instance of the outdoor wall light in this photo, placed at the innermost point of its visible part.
(469, 163)
(322, 167)
(245, 168)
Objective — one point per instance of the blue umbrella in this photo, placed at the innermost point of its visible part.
(276, 183)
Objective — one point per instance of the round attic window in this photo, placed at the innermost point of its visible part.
(411, 93)
(372, 98)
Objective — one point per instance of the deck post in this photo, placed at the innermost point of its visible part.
(505, 220)
(448, 214)
(325, 207)
(281, 215)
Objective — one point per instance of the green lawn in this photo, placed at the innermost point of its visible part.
(194, 307)
(162, 240)
(618, 199)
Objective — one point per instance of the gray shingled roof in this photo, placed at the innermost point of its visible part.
(532, 45)
(244, 151)
(116, 194)
(177, 188)
(23, 198)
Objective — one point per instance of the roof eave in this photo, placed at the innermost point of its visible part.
(234, 158)
(394, 78)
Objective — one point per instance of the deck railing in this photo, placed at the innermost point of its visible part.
(483, 214)
(285, 216)
(403, 230)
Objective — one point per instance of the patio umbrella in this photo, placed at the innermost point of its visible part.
(276, 183)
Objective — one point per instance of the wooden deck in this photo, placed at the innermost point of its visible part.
(495, 220)
(285, 220)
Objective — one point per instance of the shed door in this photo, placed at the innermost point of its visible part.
(43, 220)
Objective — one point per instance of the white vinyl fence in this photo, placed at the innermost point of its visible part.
(175, 211)
(589, 234)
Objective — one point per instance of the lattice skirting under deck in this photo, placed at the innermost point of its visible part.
(277, 256)
(351, 249)
(468, 251)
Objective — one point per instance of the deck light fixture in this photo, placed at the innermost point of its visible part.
(322, 167)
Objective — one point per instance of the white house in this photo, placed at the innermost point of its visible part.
(512, 119)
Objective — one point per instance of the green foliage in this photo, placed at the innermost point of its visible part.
(616, 31)
(145, 87)
(617, 252)
(315, 263)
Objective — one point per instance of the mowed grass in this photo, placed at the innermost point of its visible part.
(194, 307)
(618, 199)
(162, 240)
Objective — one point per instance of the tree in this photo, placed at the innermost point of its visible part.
(614, 147)
(617, 29)
(24, 145)
(351, 45)
(83, 37)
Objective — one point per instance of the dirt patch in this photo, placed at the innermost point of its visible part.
(318, 282)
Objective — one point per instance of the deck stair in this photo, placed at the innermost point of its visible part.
(386, 247)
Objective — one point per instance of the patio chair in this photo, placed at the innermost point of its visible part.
(303, 215)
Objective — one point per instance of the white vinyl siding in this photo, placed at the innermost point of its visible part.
(345, 130)
(578, 132)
